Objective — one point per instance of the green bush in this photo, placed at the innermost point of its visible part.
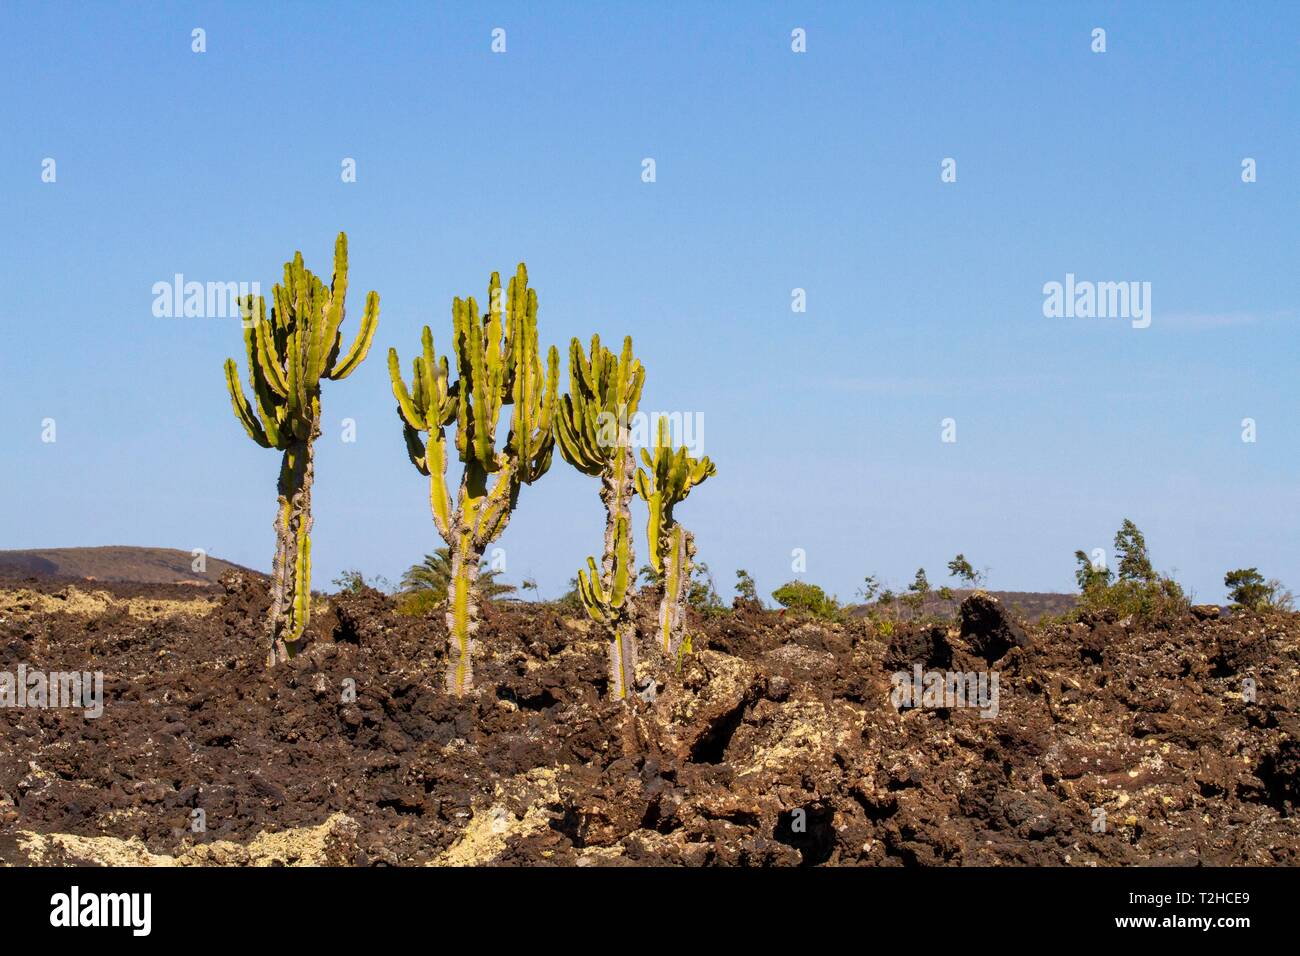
(1247, 588)
(808, 598)
(746, 589)
(1139, 591)
(1153, 602)
(421, 603)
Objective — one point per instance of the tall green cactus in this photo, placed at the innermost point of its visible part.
(497, 364)
(592, 428)
(672, 476)
(288, 355)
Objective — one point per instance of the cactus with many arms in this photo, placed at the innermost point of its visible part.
(288, 356)
(671, 478)
(592, 432)
(497, 364)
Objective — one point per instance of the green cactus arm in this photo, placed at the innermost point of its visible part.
(532, 434)
(525, 391)
(622, 572)
(495, 323)
(416, 449)
(654, 526)
(266, 354)
(484, 383)
(433, 387)
(550, 399)
(297, 346)
(590, 430)
(298, 269)
(406, 407)
(264, 395)
(281, 311)
(573, 448)
(244, 411)
(295, 399)
(541, 463)
(574, 417)
(580, 380)
(482, 394)
(460, 346)
(439, 497)
(361, 345)
(594, 599)
(421, 392)
(335, 312)
(564, 436)
(630, 379)
(313, 339)
(281, 327)
(520, 326)
(643, 484)
(704, 468)
(448, 392)
(269, 408)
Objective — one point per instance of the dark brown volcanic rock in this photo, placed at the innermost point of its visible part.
(1184, 737)
(988, 629)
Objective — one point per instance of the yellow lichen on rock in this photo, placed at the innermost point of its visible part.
(492, 827)
(321, 845)
(24, 602)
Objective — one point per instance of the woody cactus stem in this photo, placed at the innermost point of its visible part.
(672, 476)
(288, 355)
(606, 601)
(497, 364)
(592, 428)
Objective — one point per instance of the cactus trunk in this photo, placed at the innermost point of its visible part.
(462, 614)
(622, 660)
(291, 571)
(679, 547)
(618, 487)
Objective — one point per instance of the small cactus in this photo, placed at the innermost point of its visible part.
(497, 364)
(288, 355)
(671, 477)
(592, 428)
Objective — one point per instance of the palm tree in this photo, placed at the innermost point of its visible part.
(434, 573)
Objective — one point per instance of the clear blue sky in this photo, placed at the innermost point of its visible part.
(774, 170)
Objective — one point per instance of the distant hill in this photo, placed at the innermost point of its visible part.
(137, 565)
(1029, 605)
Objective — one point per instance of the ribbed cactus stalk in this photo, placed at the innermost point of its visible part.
(606, 598)
(672, 548)
(497, 364)
(288, 356)
(593, 432)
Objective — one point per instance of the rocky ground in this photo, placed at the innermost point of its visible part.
(778, 742)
